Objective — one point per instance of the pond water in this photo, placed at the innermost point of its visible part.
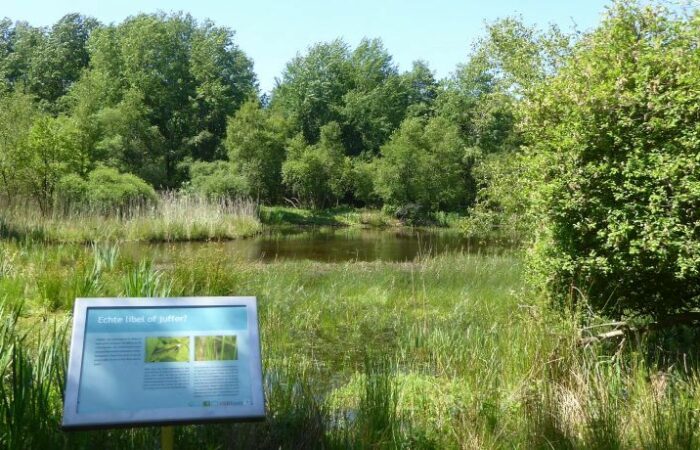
(333, 245)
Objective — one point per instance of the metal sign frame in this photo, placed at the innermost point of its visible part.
(154, 415)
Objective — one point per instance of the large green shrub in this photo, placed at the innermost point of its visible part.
(106, 190)
(618, 131)
(110, 190)
(216, 180)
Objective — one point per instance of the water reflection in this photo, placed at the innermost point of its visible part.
(332, 245)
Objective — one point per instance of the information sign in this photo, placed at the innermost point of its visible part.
(159, 361)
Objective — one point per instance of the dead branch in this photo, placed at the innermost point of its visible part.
(623, 329)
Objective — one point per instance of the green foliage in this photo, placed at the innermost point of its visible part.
(362, 90)
(312, 87)
(110, 190)
(255, 141)
(161, 87)
(424, 164)
(45, 62)
(616, 131)
(44, 161)
(363, 176)
(72, 189)
(105, 190)
(17, 114)
(505, 182)
(319, 174)
(216, 180)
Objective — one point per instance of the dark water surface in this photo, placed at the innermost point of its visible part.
(331, 245)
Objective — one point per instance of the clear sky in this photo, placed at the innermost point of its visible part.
(272, 32)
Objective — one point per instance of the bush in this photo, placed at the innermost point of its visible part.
(72, 189)
(216, 180)
(110, 190)
(363, 176)
(618, 130)
(105, 190)
(504, 182)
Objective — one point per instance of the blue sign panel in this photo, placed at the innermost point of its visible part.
(151, 361)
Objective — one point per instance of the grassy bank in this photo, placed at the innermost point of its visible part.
(178, 218)
(281, 216)
(173, 218)
(447, 352)
(344, 216)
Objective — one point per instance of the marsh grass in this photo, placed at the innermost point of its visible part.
(440, 352)
(172, 218)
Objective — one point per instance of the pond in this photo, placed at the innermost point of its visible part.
(332, 245)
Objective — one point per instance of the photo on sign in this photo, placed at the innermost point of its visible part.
(215, 348)
(167, 349)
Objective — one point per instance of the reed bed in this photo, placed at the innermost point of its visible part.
(440, 352)
(174, 217)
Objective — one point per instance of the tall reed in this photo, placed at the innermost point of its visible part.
(174, 217)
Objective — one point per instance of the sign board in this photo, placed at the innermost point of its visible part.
(159, 361)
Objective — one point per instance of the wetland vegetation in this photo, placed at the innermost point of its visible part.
(506, 258)
(438, 351)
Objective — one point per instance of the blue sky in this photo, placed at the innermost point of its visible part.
(272, 32)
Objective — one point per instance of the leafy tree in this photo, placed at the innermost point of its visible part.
(60, 58)
(43, 162)
(362, 90)
(128, 142)
(189, 76)
(362, 179)
(255, 140)
(484, 98)
(224, 79)
(422, 89)
(45, 62)
(317, 174)
(312, 87)
(424, 164)
(616, 131)
(377, 102)
(17, 116)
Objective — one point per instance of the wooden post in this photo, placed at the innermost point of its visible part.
(167, 438)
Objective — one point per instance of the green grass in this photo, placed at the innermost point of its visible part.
(445, 352)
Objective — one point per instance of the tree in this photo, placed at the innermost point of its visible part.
(45, 62)
(60, 59)
(255, 140)
(424, 164)
(189, 77)
(484, 98)
(128, 142)
(422, 88)
(616, 132)
(17, 115)
(317, 174)
(44, 162)
(312, 87)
